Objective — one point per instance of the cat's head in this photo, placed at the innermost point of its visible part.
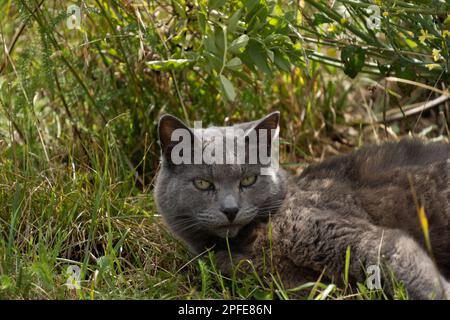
(199, 197)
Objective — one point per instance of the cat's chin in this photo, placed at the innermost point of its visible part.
(230, 231)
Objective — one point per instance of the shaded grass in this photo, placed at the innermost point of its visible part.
(108, 227)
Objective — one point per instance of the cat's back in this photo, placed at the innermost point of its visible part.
(371, 161)
(381, 185)
(380, 179)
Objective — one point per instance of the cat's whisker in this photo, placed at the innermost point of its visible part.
(185, 224)
(274, 205)
(268, 209)
(275, 202)
(188, 227)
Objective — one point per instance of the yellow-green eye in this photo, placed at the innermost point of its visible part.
(248, 181)
(203, 184)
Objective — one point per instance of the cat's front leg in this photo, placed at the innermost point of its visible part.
(413, 266)
(228, 261)
(323, 237)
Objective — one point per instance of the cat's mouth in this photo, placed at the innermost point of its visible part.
(229, 230)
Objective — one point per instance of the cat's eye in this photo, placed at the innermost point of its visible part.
(248, 181)
(203, 184)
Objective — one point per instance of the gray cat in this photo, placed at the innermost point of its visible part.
(301, 226)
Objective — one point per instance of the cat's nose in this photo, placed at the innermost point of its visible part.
(230, 212)
(230, 207)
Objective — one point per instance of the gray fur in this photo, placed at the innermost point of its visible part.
(363, 200)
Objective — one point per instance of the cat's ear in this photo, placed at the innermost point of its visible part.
(166, 128)
(268, 127)
(269, 122)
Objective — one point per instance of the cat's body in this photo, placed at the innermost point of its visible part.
(365, 200)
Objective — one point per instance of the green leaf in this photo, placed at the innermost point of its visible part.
(234, 63)
(259, 294)
(257, 55)
(403, 70)
(213, 62)
(277, 39)
(250, 4)
(179, 8)
(104, 263)
(347, 266)
(233, 21)
(362, 288)
(219, 40)
(411, 43)
(205, 275)
(257, 18)
(6, 282)
(325, 293)
(215, 4)
(353, 59)
(201, 21)
(228, 88)
(447, 20)
(282, 61)
(270, 55)
(238, 45)
(210, 43)
(170, 64)
(320, 18)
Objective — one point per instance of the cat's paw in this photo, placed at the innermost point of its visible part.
(441, 290)
(227, 262)
(446, 288)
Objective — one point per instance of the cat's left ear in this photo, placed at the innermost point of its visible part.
(269, 123)
(269, 126)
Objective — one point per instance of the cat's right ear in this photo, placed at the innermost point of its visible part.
(166, 127)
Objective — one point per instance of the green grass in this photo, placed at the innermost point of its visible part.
(87, 217)
(79, 110)
(59, 217)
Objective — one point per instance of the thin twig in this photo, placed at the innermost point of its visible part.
(414, 109)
